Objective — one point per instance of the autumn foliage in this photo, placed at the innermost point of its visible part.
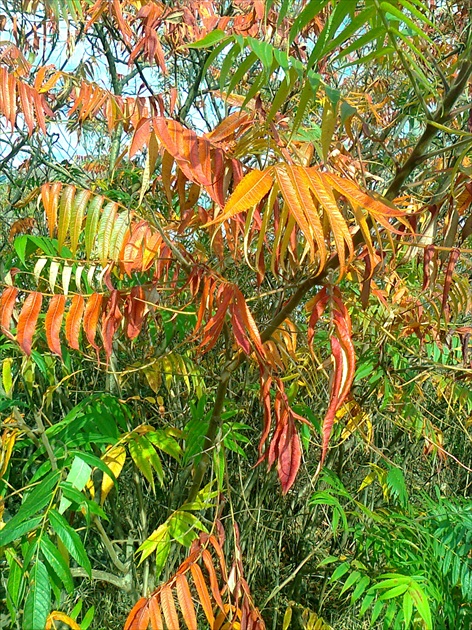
(236, 251)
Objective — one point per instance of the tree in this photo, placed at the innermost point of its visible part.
(236, 314)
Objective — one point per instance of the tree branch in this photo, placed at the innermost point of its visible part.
(441, 116)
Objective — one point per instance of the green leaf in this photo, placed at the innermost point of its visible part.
(351, 580)
(358, 22)
(360, 42)
(366, 602)
(394, 592)
(209, 40)
(38, 599)
(36, 500)
(340, 571)
(78, 476)
(13, 532)
(182, 526)
(88, 618)
(311, 10)
(70, 539)
(422, 605)
(376, 611)
(389, 8)
(55, 559)
(15, 583)
(91, 223)
(241, 71)
(396, 483)
(144, 456)
(360, 588)
(407, 609)
(165, 443)
(328, 560)
(158, 542)
(263, 50)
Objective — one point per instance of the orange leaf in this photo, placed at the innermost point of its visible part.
(73, 319)
(168, 608)
(249, 192)
(141, 136)
(52, 323)
(185, 601)
(27, 321)
(155, 614)
(24, 92)
(203, 593)
(91, 315)
(207, 559)
(133, 615)
(7, 304)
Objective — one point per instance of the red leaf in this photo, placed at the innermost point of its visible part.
(53, 322)
(7, 304)
(289, 458)
(334, 405)
(428, 263)
(243, 316)
(318, 304)
(215, 324)
(111, 322)
(27, 321)
(73, 319)
(134, 311)
(266, 382)
(453, 257)
(91, 315)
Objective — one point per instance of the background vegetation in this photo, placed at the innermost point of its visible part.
(235, 314)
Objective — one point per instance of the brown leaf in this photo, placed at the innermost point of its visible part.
(22, 226)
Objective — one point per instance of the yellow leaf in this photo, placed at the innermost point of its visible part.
(7, 442)
(250, 190)
(56, 615)
(114, 458)
(328, 124)
(342, 237)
